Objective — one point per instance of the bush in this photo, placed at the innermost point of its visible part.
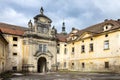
(6, 75)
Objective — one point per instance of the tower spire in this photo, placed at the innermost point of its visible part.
(41, 10)
(63, 28)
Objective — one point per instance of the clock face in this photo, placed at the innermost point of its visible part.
(42, 19)
(45, 30)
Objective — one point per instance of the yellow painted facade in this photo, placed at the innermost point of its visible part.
(3, 53)
(103, 57)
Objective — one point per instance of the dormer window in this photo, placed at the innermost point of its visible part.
(107, 27)
(74, 37)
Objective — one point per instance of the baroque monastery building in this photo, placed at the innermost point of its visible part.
(39, 48)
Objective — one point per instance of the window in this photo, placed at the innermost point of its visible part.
(64, 64)
(72, 64)
(14, 68)
(42, 47)
(82, 48)
(2, 66)
(58, 50)
(65, 44)
(106, 35)
(39, 29)
(58, 63)
(14, 54)
(14, 45)
(73, 50)
(83, 41)
(83, 65)
(15, 38)
(65, 51)
(106, 44)
(106, 64)
(91, 39)
(91, 47)
(58, 44)
(73, 43)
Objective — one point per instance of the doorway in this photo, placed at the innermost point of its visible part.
(41, 65)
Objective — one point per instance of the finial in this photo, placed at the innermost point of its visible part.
(63, 24)
(30, 24)
(41, 10)
(53, 27)
(63, 27)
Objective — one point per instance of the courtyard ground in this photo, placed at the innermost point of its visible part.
(68, 76)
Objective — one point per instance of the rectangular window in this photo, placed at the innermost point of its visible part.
(14, 68)
(58, 50)
(14, 54)
(44, 48)
(40, 47)
(83, 65)
(106, 44)
(65, 51)
(2, 66)
(65, 64)
(91, 47)
(73, 49)
(106, 64)
(58, 63)
(15, 45)
(15, 38)
(39, 29)
(82, 48)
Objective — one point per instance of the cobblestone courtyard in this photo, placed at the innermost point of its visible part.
(69, 76)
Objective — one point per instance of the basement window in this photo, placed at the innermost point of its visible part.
(14, 68)
(14, 45)
(14, 54)
(106, 64)
(83, 65)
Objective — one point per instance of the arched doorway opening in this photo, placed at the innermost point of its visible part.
(42, 65)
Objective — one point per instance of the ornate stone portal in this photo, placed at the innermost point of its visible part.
(39, 54)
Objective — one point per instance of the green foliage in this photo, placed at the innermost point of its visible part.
(6, 75)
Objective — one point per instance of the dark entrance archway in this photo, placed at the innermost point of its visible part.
(42, 65)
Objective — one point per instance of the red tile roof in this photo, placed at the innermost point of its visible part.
(12, 29)
(61, 37)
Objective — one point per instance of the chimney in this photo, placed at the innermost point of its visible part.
(73, 28)
(106, 20)
(118, 20)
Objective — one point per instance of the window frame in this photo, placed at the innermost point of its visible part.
(106, 45)
(91, 47)
(106, 65)
(43, 48)
(73, 49)
(83, 65)
(82, 48)
(15, 38)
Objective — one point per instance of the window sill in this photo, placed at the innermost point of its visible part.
(107, 49)
(82, 52)
(72, 53)
(91, 51)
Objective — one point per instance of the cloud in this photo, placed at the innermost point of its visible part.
(109, 8)
(9, 15)
(75, 13)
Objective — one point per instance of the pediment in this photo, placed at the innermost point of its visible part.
(39, 53)
(85, 35)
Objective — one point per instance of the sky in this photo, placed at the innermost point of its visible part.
(75, 13)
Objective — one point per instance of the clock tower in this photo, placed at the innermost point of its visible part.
(42, 23)
(40, 44)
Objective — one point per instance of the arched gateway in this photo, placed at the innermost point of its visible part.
(42, 65)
